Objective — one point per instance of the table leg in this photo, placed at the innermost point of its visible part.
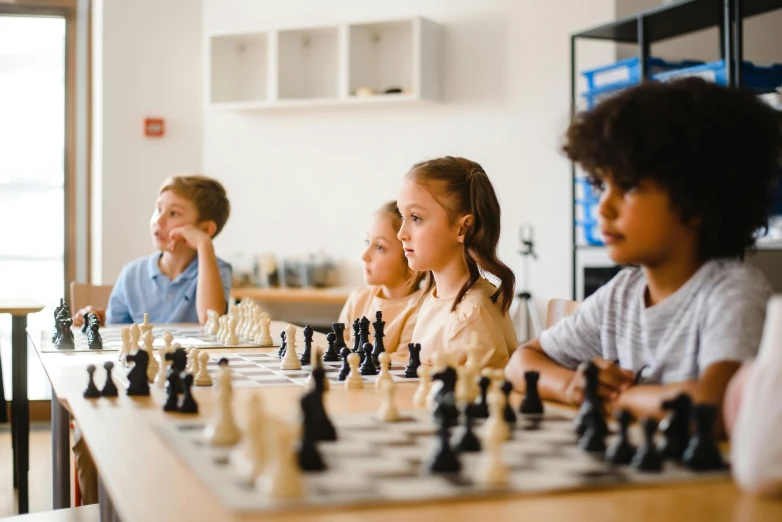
(61, 455)
(21, 407)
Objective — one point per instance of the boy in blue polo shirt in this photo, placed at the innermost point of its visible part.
(183, 278)
(177, 284)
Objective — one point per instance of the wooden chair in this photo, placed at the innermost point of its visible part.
(84, 294)
(559, 308)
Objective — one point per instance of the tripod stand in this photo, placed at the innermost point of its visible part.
(524, 310)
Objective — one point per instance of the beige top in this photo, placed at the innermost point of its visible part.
(398, 314)
(439, 329)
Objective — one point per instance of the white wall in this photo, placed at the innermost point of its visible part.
(147, 62)
(307, 180)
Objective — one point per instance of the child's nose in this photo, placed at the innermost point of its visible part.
(606, 206)
(365, 255)
(402, 234)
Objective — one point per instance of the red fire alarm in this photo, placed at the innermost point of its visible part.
(154, 127)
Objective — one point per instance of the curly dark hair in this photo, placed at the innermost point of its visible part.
(716, 150)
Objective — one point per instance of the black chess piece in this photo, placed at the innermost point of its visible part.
(702, 453)
(94, 340)
(368, 367)
(363, 334)
(64, 339)
(331, 354)
(445, 411)
(109, 388)
(621, 451)
(508, 414)
(62, 308)
(481, 410)
(339, 331)
(531, 403)
(86, 323)
(379, 347)
(137, 376)
(281, 351)
(178, 360)
(189, 404)
(468, 442)
(593, 439)
(646, 456)
(447, 376)
(592, 405)
(314, 411)
(356, 336)
(345, 369)
(675, 428)
(172, 392)
(413, 360)
(444, 460)
(92, 391)
(306, 354)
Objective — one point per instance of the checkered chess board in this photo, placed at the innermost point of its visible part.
(263, 369)
(384, 463)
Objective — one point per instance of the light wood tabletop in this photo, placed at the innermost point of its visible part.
(20, 306)
(337, 295)
(78, 514)
(147, 481)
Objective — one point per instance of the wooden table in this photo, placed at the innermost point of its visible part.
(337, 295)
(146, 481)
(20, 404)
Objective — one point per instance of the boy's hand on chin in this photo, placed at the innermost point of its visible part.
(187, 235)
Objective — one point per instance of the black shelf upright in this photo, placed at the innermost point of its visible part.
(661, 23)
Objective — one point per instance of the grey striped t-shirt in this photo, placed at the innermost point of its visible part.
(716, 316)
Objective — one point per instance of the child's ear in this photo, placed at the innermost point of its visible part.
(465, 222)
(210, 227)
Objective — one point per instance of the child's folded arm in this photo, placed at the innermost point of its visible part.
(210, 290)
(554, 379)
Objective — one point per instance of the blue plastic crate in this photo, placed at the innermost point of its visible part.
(627, 72)
(586, 201)
(759, 78)
(595, 96)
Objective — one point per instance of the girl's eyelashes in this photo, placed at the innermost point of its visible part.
(415, 218)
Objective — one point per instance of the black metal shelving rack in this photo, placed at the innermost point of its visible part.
(661, 23)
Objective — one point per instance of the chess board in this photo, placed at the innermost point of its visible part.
(112, 339)
(263, 369)
(383, 463)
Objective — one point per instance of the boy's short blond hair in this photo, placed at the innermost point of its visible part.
(207, 194)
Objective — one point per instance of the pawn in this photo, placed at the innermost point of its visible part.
(232, 339)
(305, 355)
(331, 354)
(202, 377)
(419, 398)
(189, 404)
(444, 459)
(647, 458)
(265, 338)
(92, 391)
(354, 379)
(192, 359)
(508, 414)
(621, 451)
(345, 369)
(172, 397)
(368, 367)
(388, 411)
(482, 404)
(496, 427)
(109, 389)
(384, 376)
(593, 439)
(468, 442)
(290, 361)
(492, 472)
(531, 403)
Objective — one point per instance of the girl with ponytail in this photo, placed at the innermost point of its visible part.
(450, 230)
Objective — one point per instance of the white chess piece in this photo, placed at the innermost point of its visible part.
(223, 430)
(231, 339)
(252, 456)
(284, 478)
(495, 427)
(146, 326)
(168, 339)
(153, 365)
(388, 411)
(463, 388)
(384, 376)
(135, 337)
(492, 471)
(202, 377)
(266, 334)
(192, 360)
(125, 349)
(291, 360)
(162, 375)
(434, 389)
(354, 380)
(221, 322)
(215, 326)
(419, 397)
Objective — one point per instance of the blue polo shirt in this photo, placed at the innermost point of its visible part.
(142, 288)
